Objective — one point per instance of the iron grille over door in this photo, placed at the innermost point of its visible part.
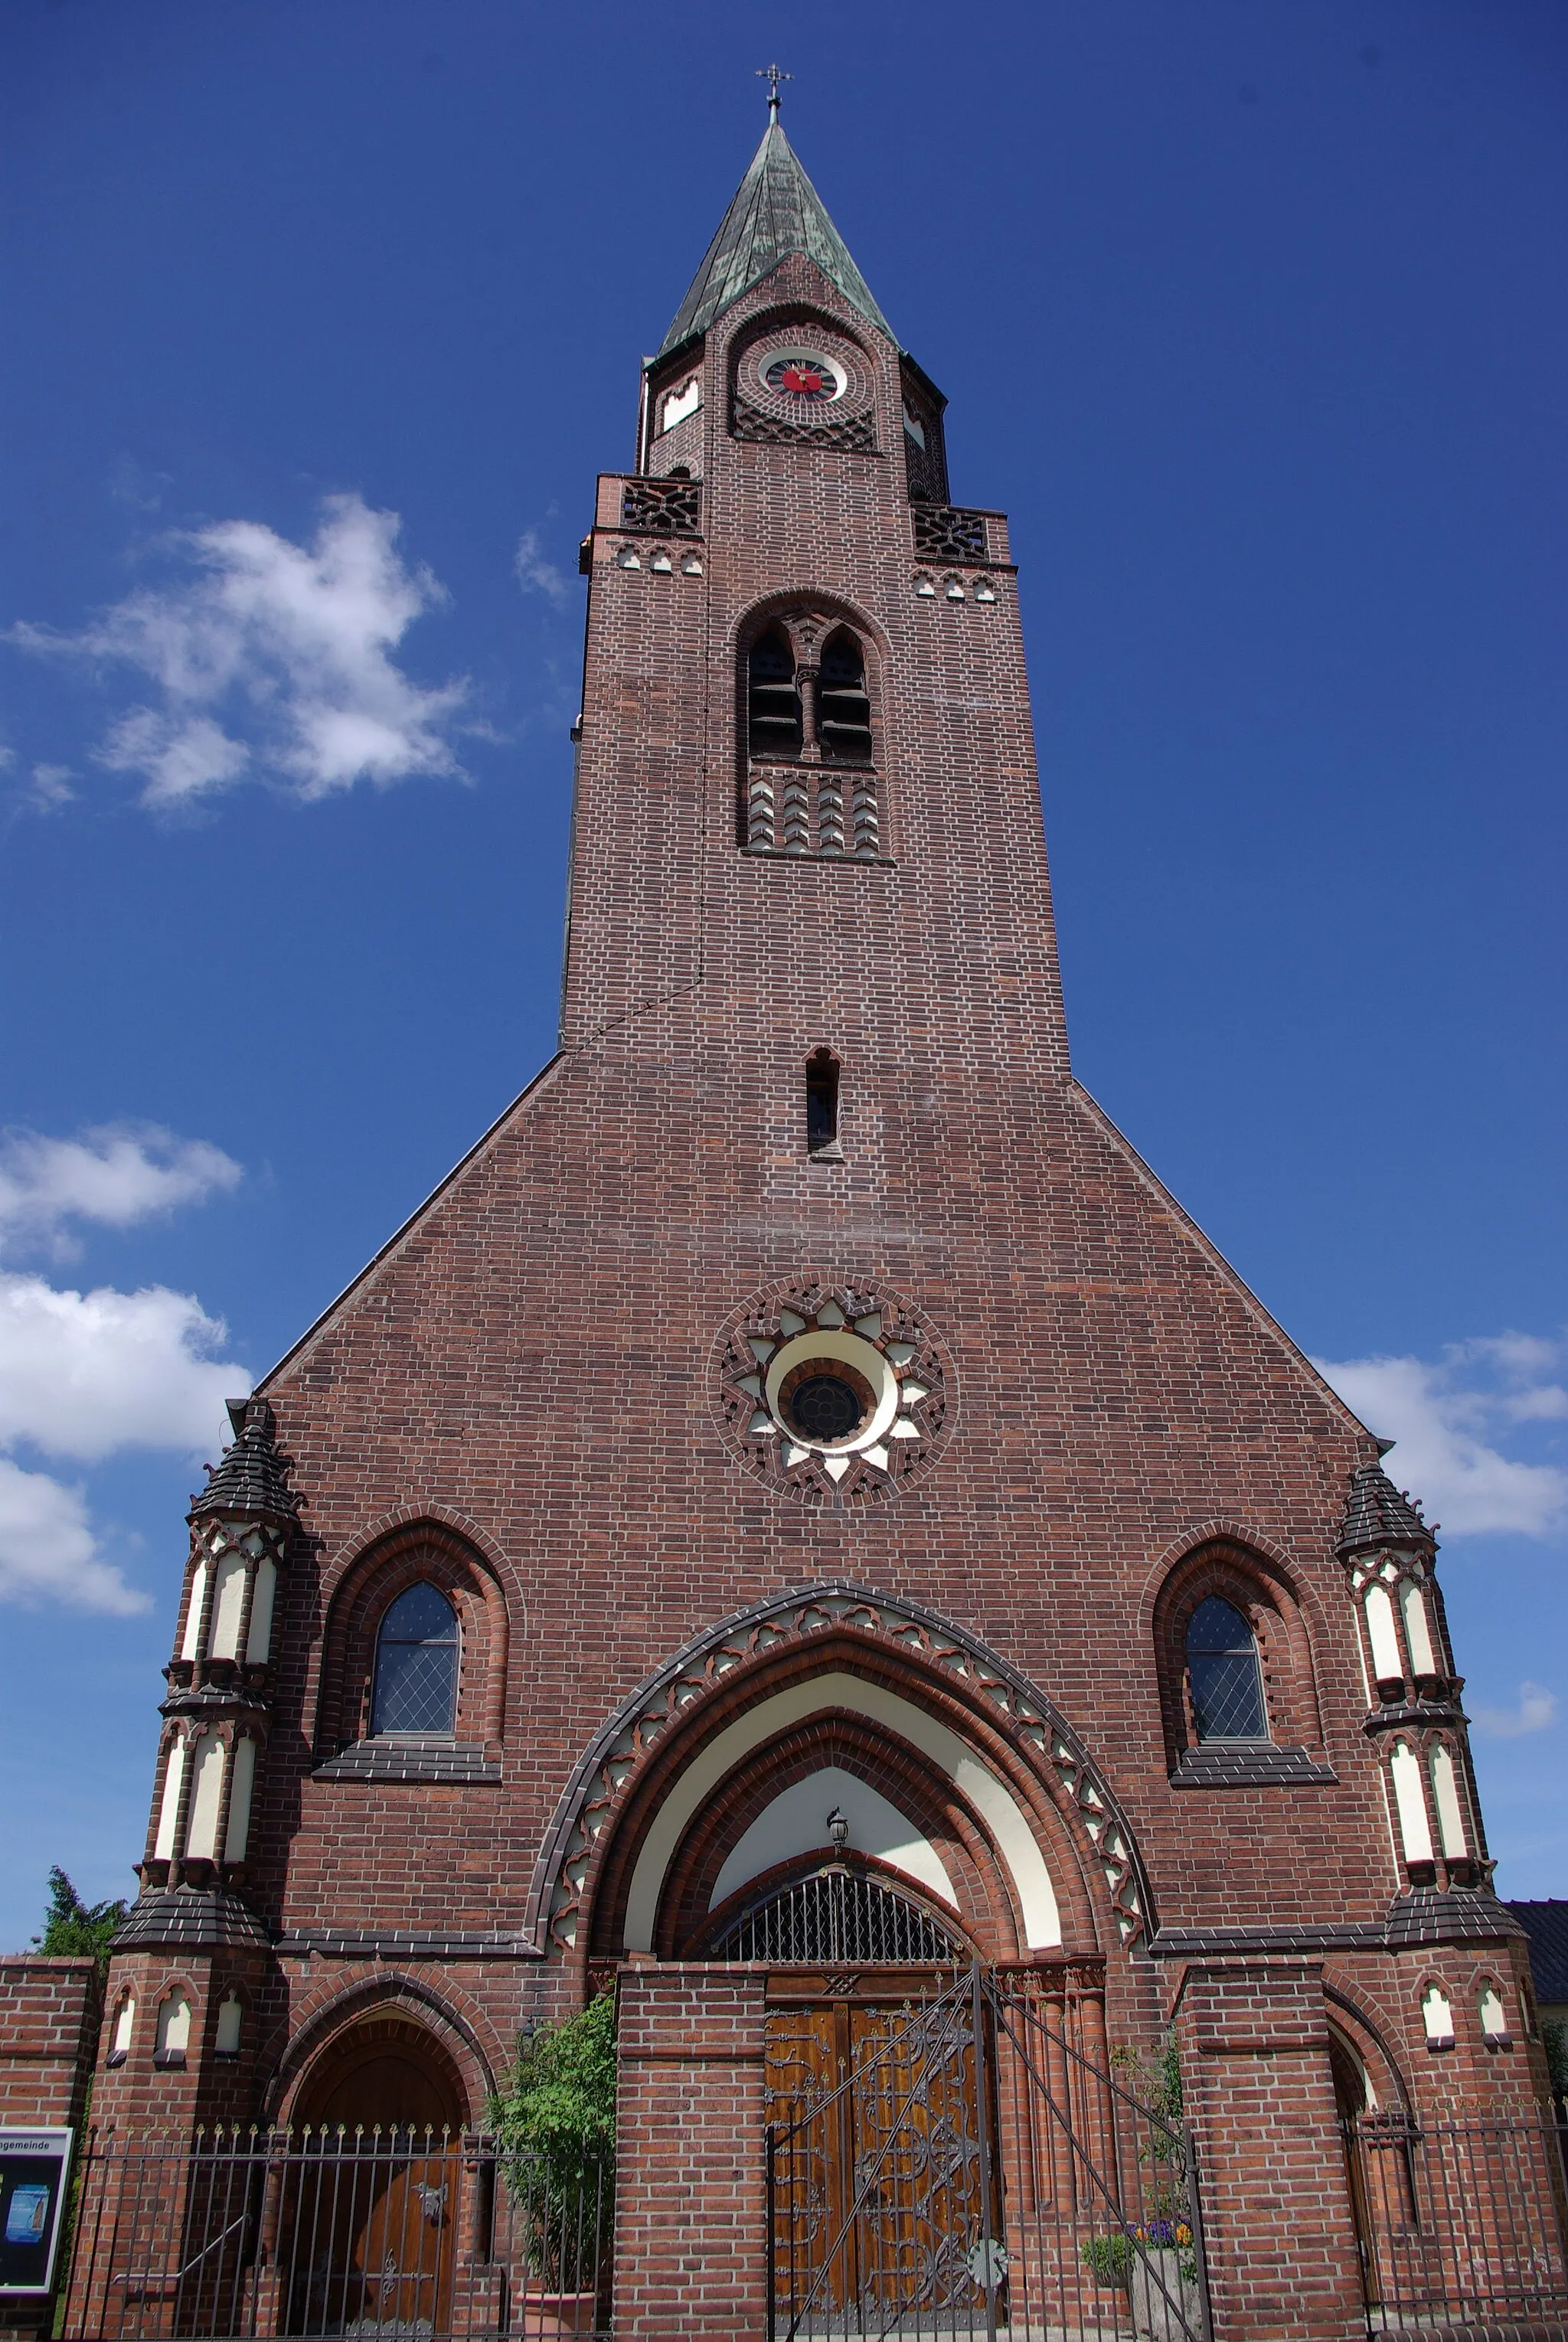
(838, 1917)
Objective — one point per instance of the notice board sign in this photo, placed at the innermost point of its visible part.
(34, 2166)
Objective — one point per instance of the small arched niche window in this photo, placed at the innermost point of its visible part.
(1437, 2017)
(416, 1664)
(772, 703)
(1493, 2011)
(125, 2026)
(822, 1103)
(844, 708)
(231, 2023)
(1223, 1674)
(173, 2038)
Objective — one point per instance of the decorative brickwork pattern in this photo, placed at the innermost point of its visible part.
(812, 809)
(942, 533)
(610, 1775)
(855, 433)
(663, 508)
(919, 1374)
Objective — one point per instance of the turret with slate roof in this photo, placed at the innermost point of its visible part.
(1378, 1514)
(251, 1481)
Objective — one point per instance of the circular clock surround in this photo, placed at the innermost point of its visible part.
(803, 373)
(835, 1394)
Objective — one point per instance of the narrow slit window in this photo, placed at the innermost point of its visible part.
(822, 1103)
(844, 708)
(416, 1665)
(773, 709)
(1222, 1670)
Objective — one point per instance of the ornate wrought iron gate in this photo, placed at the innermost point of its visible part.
(396, 2235)
(958, 2165)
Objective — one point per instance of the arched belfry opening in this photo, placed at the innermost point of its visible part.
(809, 777)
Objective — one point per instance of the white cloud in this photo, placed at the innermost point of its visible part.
(51, 787)
(1446, 1421)
(537, 575)
(48, 1552)
(136, 484)
(1537, 1709)
(86, 1375)
(114, 1176)
(273, 657)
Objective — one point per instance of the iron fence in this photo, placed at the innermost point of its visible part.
(975, 2171)
(396, 2234)
(1458, 2223)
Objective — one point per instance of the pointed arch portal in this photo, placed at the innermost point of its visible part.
(727, 1770)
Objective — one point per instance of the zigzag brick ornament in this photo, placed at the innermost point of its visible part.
(801, 1528)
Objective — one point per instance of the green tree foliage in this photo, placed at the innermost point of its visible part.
(559, 2101)
(1555, 2041)
(555, 2123)
(76, 1930)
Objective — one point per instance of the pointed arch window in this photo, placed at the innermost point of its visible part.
(416, 1664)
(773, 707)
(1223, 1674)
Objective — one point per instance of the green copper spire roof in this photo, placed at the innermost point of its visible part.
(776, 211)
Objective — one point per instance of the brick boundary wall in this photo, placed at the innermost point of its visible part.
(690, 2190)
(49, 2032)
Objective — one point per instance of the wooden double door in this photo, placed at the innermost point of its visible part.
(881, 2169)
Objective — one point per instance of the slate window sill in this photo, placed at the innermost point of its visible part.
(1243, 1764)
(410, 1759)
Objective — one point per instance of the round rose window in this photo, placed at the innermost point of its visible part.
(832, 1391)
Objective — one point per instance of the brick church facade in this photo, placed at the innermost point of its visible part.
(802, 1442)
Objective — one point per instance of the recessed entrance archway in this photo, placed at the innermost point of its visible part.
(386, 2073)
(384, 2107)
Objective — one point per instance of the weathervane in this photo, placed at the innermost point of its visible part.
(773, 76)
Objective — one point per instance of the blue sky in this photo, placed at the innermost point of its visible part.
(326, 316)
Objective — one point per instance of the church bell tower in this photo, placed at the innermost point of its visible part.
(800, 1512)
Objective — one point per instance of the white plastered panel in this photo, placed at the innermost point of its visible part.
(796, 1821)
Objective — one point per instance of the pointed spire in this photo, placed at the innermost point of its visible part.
(253, 1476)
(1376, 1514)
(776, 211)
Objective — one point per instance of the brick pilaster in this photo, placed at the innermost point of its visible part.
(690, 2244)
(1277, 2223)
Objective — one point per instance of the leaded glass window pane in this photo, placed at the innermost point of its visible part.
(1223, 1671)
(416, 1665)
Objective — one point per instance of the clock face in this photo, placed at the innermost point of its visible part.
(801, 374)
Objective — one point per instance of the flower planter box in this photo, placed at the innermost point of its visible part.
(1164, 2302)
(547, 2316)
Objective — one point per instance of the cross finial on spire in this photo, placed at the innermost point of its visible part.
(773, 76)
